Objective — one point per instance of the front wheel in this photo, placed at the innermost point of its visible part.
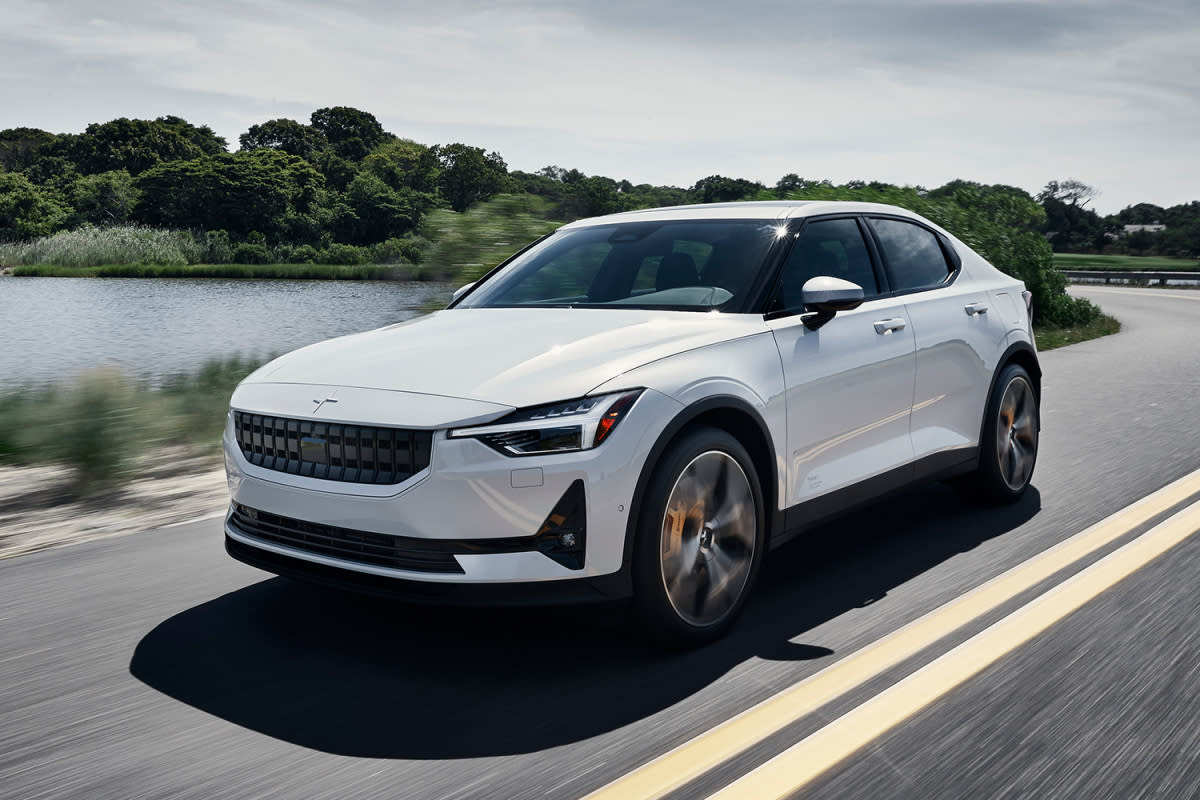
(700, 538)
(1008, 449)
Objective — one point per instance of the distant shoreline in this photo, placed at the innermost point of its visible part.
(355, 272)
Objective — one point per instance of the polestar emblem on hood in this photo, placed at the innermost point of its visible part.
(322, 402)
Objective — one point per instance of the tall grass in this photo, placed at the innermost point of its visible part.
(132, 251)
(103, 423)
(89, 246)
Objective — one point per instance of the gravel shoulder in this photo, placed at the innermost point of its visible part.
(37, 510)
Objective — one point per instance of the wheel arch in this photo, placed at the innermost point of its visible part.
(741, 421)
(1021, 353)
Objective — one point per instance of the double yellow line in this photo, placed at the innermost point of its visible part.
(783, 775)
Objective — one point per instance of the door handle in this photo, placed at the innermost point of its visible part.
(885, 326)
(976, 308)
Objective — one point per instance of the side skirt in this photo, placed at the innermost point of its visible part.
(938, 466)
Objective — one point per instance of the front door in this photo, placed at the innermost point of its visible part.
(849, 384)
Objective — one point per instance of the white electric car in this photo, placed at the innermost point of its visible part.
(640, 405)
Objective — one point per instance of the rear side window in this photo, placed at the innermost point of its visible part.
(914, 258)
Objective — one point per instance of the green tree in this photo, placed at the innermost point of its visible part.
(379, 211)
(350, 132)
(286, 135)
(1071, 226)
(135, 145)
(468, 174)
(1141, 214)
(256, 190)
(202, 136)
(19, 147)
(788, 183)
(719, 189)
(105, 199)
(404, 164)
(26, 210)
(1139, 242)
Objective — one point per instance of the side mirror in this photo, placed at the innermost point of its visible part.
(825, 296)
(460, 291)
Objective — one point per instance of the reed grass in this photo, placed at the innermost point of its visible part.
(103, 422)
(89, 246)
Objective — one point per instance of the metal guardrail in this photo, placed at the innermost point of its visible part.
(1109, 275)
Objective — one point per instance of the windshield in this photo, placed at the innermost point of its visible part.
(692, 265)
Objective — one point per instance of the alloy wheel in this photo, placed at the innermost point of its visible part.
(708, 538)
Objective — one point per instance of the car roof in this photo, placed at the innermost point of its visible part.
(776, 210)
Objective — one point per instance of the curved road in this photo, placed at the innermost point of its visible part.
(155, 666)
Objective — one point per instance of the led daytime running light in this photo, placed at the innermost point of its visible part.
(569, 426)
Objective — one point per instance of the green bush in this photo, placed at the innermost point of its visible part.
(397, 251)
(345, 254)
(304, 254)
(91, 426)
(104, 421)
(217, 247)
(247, 253)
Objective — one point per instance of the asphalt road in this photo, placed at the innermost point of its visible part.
(155, 666)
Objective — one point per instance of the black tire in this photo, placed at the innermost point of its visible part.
(1009, 444)
(691, 575)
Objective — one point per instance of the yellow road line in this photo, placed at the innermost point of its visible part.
(697, 756)
(788, 772)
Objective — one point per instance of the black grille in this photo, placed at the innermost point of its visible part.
(364, 547)
(334, 452)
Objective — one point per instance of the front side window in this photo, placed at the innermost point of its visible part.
(687, 265)
(832, 247)
(914, 258)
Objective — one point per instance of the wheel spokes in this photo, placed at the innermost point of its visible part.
(1016, 433)
(708, 538)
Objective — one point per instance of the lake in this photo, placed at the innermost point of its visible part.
(53, 328)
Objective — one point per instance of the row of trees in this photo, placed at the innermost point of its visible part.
(1074, 228)
(339, 178)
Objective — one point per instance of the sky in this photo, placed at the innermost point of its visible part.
(911, 92)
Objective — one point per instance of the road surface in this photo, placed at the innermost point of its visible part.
(154, 666)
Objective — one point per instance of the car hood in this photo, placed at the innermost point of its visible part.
(508, 356)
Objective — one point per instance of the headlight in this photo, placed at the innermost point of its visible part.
(557, 428)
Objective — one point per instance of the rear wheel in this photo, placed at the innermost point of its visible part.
(1008, 449)
(700, 538)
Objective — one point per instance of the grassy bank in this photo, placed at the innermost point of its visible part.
(104, 423)
(338, 272)
(1150, 263)
(1049, 338)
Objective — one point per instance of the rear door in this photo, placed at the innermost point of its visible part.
(957, 335)
(849, 384)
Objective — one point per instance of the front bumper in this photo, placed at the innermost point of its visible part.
(606, 588)
(469, 492)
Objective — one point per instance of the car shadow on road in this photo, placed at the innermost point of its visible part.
(359, 676)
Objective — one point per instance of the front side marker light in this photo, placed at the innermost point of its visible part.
(612, 416)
